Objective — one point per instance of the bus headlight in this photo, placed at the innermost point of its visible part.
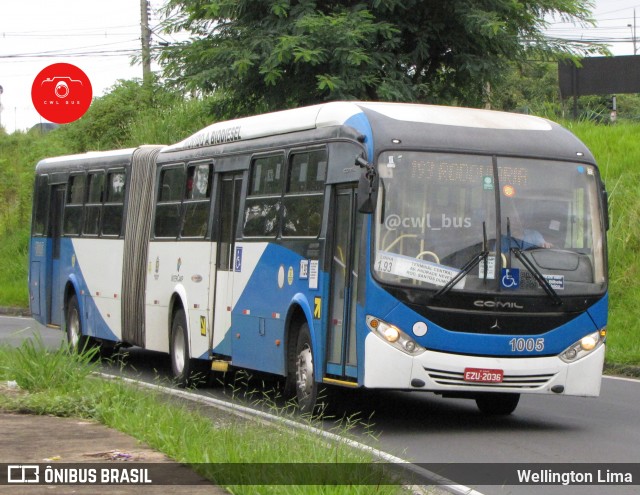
(394, 336)
(586, 345)
(589, 343)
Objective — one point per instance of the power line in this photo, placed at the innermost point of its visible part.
(64, 51)
(66, 30)
(102, 53)
(68, 35)
(630, 7)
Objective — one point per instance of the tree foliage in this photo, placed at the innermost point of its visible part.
(107, 123)
(529, 88)
(270, 54)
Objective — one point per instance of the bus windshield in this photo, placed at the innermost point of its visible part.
(439, 218)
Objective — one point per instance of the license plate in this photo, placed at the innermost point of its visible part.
(481, 375)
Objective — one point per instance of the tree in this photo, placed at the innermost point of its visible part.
(107, 123)
(531, 87)
(273, 54)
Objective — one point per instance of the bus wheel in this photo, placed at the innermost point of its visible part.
(181, 363)
(497, 404)
(306, 385)
(77, 341)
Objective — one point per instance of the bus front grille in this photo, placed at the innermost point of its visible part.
(445, 377)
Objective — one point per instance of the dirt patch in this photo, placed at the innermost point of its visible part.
(47, 439)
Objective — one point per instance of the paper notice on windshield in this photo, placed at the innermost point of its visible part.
(416, 269)
(491, 268)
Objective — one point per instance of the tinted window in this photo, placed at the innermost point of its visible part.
(171, 190)
(96, 187)
(303, 201)
(302, 215)
(261, 217)
(308, 171)
(93, 209)
(171, 184)
(196, 208)
(73, 207)
(116, 187)
(266, 175)
(40, 204)
(262, 206)
(199, 181)
(75, 190)
(114, 206)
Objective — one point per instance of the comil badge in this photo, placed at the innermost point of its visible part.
(61, 93)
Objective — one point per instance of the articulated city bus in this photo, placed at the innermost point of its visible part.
(378, 245)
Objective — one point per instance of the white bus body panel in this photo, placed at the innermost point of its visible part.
(182, 269)
(103, 279)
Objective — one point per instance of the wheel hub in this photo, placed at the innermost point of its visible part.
(304, 372)
(178, 354)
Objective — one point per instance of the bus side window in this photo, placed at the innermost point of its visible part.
(114, 203)
(171, 189)
(41, 205)
(74, 204)
(93, 208)
(302, 203)
(197, 202)
(262, 206)
(308, 171)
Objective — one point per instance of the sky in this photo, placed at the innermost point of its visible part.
(98, 37)
(101, 37)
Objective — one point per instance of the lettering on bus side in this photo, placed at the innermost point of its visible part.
(215, 136)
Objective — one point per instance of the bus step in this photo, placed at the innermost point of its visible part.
(343, 383)
(219, 365)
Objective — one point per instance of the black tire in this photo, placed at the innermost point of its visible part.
(179, 349)
(186, 371)
(73, 323)
(497, 404)
(306, 385)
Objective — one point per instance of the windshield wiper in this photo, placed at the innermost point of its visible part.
(537, 274)
(468, 266)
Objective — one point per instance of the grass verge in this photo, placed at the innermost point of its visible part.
(617, 152)
(62, 384)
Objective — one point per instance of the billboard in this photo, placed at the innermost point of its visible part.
(600, 76)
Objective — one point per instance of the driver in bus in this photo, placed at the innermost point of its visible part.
(520, 236)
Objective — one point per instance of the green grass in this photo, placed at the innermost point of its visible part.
(617, 151)
(60, 383)
(13, 279)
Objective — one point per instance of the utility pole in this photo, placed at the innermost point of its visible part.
(146, 41)
(633, 27)
(1, 91)
(635, 49)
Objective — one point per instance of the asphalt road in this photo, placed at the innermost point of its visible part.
(425, 428)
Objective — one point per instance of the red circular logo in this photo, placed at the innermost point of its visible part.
(61, 93)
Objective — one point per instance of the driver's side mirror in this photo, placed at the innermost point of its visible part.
(367, 187)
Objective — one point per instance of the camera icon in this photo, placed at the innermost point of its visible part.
(62, 86)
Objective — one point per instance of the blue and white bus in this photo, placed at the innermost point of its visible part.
(378, 245)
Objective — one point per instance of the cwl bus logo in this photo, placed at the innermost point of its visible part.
(497, 304)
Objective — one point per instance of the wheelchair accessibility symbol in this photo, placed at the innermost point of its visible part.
(510, 278)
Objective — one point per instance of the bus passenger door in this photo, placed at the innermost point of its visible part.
(345, 249)
(54, 287)
(227, 206)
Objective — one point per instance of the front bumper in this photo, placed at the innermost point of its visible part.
(387, 367)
